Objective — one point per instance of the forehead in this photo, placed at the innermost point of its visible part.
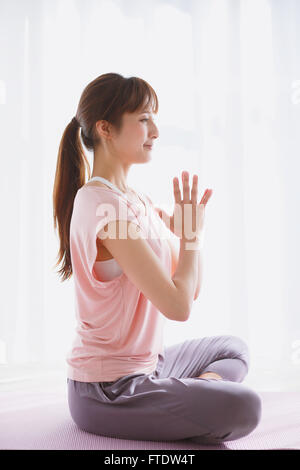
(139, 112)
(146, 109)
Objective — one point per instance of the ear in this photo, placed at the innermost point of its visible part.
(104, 129)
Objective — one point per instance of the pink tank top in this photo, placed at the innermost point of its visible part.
(119, 331)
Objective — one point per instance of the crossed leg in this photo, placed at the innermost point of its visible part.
(232, 369)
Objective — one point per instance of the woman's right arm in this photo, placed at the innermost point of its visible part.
(173, 295)
(145, 270)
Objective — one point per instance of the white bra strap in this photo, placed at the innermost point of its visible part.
(104, 180)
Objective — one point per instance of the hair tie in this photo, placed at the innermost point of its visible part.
(75, 122)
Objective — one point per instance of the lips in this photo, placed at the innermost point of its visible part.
(149, 146)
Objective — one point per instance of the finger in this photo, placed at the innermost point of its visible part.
(164, 215)
(186, 187)
(206, 196)
(203, 197)
(177, 192)
(159, 211)
(194, 192)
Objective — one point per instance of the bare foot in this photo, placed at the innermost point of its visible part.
(210, 375)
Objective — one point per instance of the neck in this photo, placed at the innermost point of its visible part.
(116, 174)
(121, 184)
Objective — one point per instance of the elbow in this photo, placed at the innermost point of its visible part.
(179, 313)
(197, 292)
(185, 318)
(185, 313)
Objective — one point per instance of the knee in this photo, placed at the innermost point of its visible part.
(238, 414)
(236, 348)
(246, 408)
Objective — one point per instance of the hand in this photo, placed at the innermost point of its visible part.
(174, 222)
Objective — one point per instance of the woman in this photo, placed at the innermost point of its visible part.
(128, 279)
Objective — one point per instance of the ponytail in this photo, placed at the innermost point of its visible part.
(69, 177)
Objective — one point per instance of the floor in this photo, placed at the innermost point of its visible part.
(34, 414)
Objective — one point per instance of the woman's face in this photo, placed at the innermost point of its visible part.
(139, 130)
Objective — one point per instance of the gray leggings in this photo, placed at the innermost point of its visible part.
(172, 403)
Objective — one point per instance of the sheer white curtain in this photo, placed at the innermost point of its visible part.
(227, 75)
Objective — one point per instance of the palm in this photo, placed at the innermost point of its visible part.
(167, 219)
(179, 205)
(176, 216)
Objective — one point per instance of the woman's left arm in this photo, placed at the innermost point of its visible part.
(175, 253)
(199, 273)
(175, 249)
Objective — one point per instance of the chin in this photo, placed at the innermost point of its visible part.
(143, 160)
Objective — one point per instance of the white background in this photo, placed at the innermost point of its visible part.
(227, 76)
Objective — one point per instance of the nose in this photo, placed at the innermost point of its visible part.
(155, 133)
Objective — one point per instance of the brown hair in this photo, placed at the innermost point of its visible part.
(107, 97)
